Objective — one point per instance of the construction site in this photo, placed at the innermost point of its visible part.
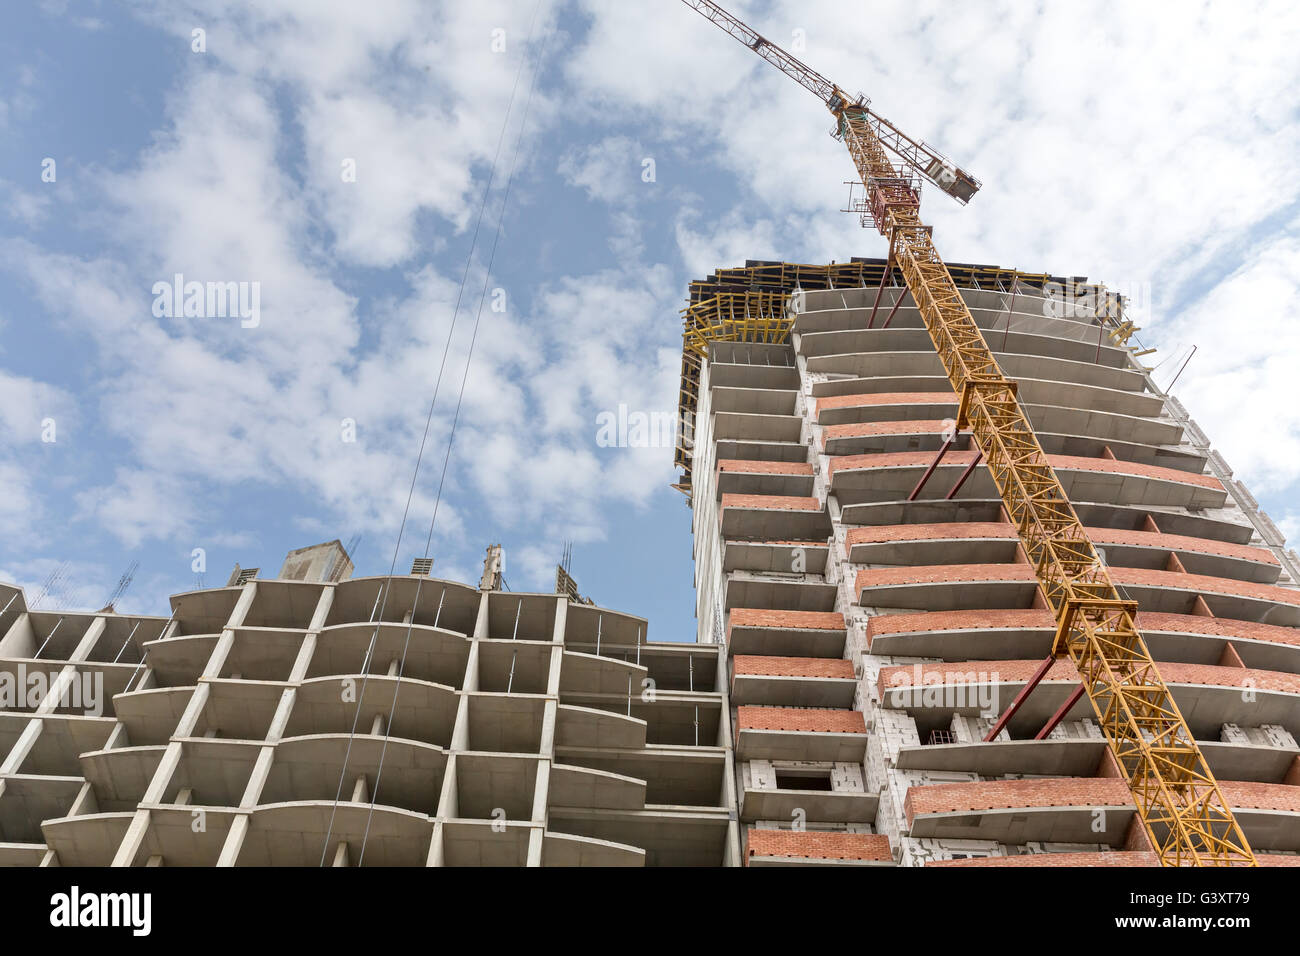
(971, 590)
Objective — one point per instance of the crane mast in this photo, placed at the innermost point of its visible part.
(1178, 799)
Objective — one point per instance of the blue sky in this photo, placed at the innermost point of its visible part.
(1140, 145)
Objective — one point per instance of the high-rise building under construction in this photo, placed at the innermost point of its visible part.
(867, 617)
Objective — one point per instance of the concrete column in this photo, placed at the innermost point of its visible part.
(129, 848)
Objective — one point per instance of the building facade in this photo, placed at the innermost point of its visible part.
(879, 613)
(865, 613)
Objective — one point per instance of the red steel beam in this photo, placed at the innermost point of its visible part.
(1060, 713)
(1020, 699)
(930, 471)
(964, 475)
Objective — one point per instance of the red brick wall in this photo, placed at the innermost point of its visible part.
(812, 719)
(1211, 675)
(1204, 582)
(777, 502)
(1005, 794)
(864, 429)
(1221, 627)
(938, 573)
(765, 467)
(819, 846)
(958, 621)
(792, 666)
(1060, 462)
(1179, 542)
(930, 532)
(1075, 791)
(797, 620)
(885, 398)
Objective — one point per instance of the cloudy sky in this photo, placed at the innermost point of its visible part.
(336, 154)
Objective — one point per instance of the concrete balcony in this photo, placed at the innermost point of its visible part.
(817, 805)
(887, 477)
(791, 733)
(997, 542)
(793, 681)
(1208, 696)
(676, 776)
(865, 408)
(1174, 592)
(781, 556)
(792, 592)
(948, 587)
(1078, 757)
(752, 426)
(776, 633)
(774, 518)
(1001, 634)
(1065, 810)
(764, 401)
(568, 849)
(669, 836)
(434, 654)
(791, 479)
(816, 848)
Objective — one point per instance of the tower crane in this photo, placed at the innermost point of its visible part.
(1179, 802)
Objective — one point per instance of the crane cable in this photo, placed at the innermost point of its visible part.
(420, 456)
(451, 437)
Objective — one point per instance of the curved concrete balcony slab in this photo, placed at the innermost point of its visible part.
(747, 375)
(793, 592)
(968, 542)
(572, 786)
(773, 518)
(1001, 634)
(239, 709)
(1079, 757)
(793, 479)
(486, 843)
(782, 556)
(793, 733)
(985, 634)
(206, 611)
(88, 840)
(887, 477)
(1008, 347)
(743, 450)
(121, 776)
(793, 681)
(763, 400)
(670, 836)
(593, 674)
(310, 768)
(569, 849)
(676, 776)
(1209, 696)
(816, 805)
(63, 738)
(996, 542)
(151, 715)
(453, 604)
(178, 661)
(171, 835)
(1053, 810)
(948, 587)
(323, 705)
(22, 854)
(1171, 591)
(885, 407)
(299, 832)
(751, 426)
(1220, 525)
(591, 727)
(27, 800)
(780, 633)
(814, 848)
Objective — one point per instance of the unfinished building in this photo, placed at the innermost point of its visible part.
(877, 608)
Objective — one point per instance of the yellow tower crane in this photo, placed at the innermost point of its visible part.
(1178, 800)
